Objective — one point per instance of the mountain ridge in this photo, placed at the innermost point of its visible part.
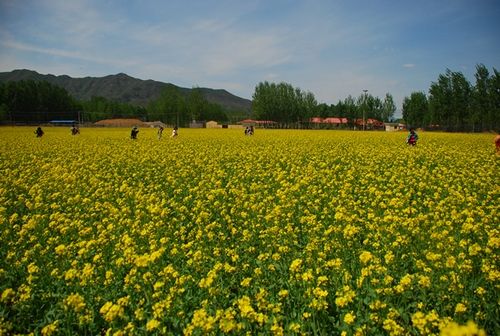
(124, 88)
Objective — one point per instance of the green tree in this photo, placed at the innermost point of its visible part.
(308, 106)
(98, 108)
(375, 108)
(4, 108)
(481, 99)
(283, 103)
(440, 96)
(450, 100)
(170, 107)
(388, 108)
(352, 111)
(36, 101)
(493, 117)
(4, 112)
(214, 112)
(461, 101)
(196, 104)
(416, 110)
(365, 104)
(323, 110)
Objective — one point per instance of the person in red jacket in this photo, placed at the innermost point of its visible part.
(412, 137)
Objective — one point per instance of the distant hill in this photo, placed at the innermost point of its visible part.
(123, 88)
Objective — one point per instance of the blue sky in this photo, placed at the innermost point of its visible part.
(330, 48)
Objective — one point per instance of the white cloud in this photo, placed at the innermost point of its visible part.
(63, 53)
(408, 65)
(244, 51)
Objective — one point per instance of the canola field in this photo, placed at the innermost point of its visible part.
(286, 232)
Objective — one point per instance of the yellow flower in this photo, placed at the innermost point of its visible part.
(246, 282)
(201, 319)
(227, 322)
(50, 329)
(392, 327)
(142, 261)
(295, 265)
(389, 257)
(152, 325)
(454, 329)
(24, 292)
(32, 268)
(365, 257)
(294, 327)
(7, 295)
(307, 276)
(319, 292)
(424, 281)
(406, 280)
(60, 249)
(480, 291)
(460, 308)
(111, 311)
(276, 329)
(450, 262)
(71, 274)
(344, 297)
(283, 293)
(245, 306)
(349, 318)
(474, 249)
(75, 302)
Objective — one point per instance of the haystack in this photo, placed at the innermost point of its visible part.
(120, 123)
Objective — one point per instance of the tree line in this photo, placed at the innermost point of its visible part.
(283, 103)
(31, 101)
(40, 101)
(454, 104)
(176, 109)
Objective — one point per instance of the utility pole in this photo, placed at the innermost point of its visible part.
(364, 108)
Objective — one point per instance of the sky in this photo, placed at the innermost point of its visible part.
(331, 48)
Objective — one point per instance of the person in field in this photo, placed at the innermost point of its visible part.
(412, 137)
(249, 130)
(134, 132)
(39, 132)
(160, 132)
(75, 130)
(175, 132)
(497, 143)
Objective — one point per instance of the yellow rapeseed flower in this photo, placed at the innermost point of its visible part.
(349, 318)
(455, 329)
(75, 302)
(365, 257)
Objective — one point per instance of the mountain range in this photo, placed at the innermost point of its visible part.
(124, 88)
